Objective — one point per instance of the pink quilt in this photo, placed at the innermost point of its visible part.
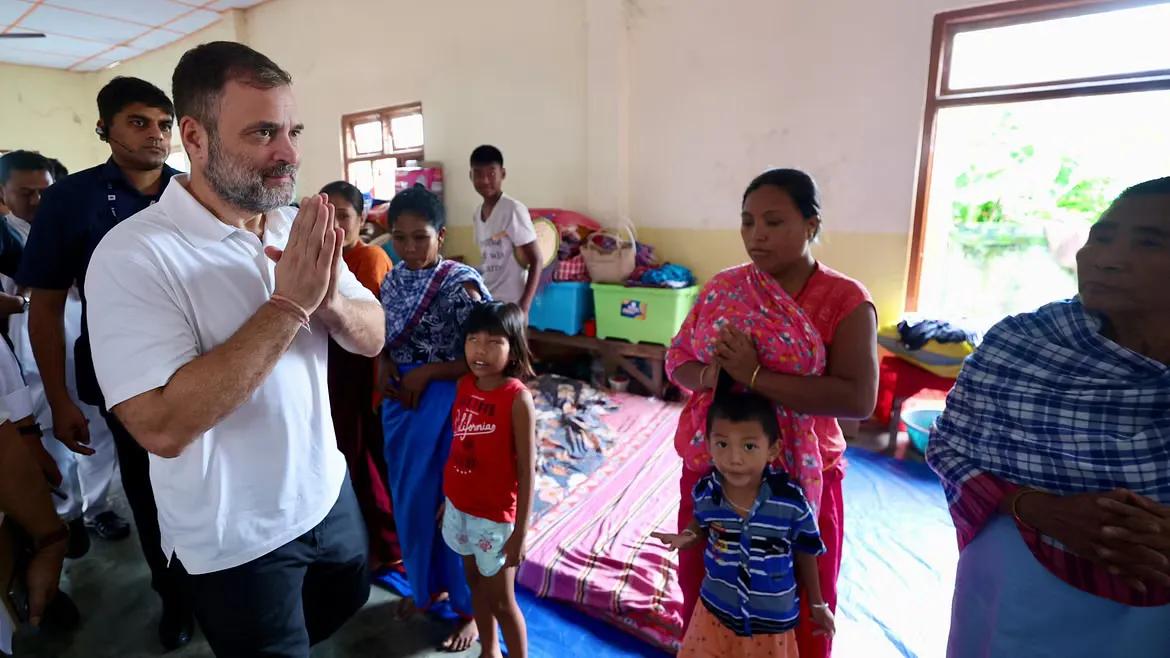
(593, 549)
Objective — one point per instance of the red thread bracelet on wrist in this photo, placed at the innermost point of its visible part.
(292, 308)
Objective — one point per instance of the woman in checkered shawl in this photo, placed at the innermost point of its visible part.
(1054, 452)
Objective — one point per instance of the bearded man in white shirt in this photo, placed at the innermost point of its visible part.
(211, 314)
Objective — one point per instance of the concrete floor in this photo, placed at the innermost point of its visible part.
(111, 587)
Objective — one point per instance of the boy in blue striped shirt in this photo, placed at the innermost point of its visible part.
(761, 536)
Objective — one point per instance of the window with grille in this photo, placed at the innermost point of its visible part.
(378, 142)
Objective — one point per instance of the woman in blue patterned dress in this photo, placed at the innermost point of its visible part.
(427, 300)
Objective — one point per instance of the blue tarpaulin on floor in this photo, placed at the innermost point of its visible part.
(556, 630)
(897, 575)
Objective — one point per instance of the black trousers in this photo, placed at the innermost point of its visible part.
(170, 581)
(278, 605)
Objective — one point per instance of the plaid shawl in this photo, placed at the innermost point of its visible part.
(1048, 402)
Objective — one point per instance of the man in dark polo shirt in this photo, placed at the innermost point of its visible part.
(135, 119)
(24, 176)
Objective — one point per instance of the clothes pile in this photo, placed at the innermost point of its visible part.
(572, 437)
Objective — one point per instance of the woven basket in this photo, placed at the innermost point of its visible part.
(611, 265)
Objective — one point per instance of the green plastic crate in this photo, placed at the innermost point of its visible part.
(641, 315)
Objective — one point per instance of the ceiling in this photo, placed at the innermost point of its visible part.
(90, 35)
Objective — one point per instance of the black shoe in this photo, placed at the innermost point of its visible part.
(78, 544)
(176, 626)
(109, 526)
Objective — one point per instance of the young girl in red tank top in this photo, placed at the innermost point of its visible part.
(488, 480)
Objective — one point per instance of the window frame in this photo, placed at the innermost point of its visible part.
(939, 94)
(349, 152)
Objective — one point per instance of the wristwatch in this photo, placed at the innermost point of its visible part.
(24, 305)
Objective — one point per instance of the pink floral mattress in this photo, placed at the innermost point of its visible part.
(592, 548)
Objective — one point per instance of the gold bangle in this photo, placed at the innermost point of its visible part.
(1015, 507)
(755, 374)
(703, 375)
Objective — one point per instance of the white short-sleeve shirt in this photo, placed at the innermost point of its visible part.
(170, 284)
(22, 344)
(15, 398)
(509, 226)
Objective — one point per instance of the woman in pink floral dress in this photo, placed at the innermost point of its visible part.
(796, 332)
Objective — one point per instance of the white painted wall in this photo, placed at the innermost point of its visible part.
(55, 111)
(608, 116)
(507, 72)
(723, 90)
(659, 110)
(49, 111)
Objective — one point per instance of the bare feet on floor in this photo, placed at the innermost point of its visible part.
(464, 636)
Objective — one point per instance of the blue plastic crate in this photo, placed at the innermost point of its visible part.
(562, 307)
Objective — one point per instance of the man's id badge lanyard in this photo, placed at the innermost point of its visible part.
(112, 200)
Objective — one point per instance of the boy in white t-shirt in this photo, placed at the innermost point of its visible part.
(502, 224)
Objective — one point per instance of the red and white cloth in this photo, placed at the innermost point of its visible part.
(572, 269)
